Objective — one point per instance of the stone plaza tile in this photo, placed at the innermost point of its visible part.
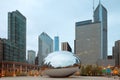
(68, 78)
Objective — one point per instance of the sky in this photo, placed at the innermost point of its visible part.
(58, 17)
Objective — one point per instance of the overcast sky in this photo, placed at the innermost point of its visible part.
(58, 17)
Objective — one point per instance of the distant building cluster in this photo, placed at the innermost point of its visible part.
(14, 48)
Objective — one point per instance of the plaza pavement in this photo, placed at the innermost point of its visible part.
(69, 78)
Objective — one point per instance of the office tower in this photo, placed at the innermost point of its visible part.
(56, 43)
(45, 46)
(66, 47)
(100, 15)
(17, 35)
(1, 50)
(9, 51)
(116, 53)
(91, 37)
(31, 57)
(88, 41)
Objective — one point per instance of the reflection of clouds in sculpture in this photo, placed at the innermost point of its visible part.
(61, 59)
(61, 64)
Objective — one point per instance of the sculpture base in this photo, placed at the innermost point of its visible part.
(62, 72)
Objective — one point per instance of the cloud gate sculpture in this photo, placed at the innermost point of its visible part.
(61, 64)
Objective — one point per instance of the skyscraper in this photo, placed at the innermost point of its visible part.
(31, 57)
(45, 46)
(17, 34)
(1, 50)
(56, 43)
(88, 41)
(66, 47)
(100, 14)
(116, 53)
(97, 37)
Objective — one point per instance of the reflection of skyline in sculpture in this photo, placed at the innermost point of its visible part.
(61, 64)
(61, 59)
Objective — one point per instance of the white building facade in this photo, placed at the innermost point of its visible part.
(31, 57)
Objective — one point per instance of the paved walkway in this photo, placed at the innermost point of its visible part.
(70, 78)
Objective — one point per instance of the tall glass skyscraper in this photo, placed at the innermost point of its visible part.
(100, 15)
(45, 46)
(17, 35)
(56, 43)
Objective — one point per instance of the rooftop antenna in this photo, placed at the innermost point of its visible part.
(99, 1)
(93, 10)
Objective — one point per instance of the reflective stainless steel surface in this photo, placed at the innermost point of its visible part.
(61, 64)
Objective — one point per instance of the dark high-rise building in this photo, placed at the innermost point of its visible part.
(66, 47)
(8, 51)
(116, 53)
(1, 50)
(100, 15)
(17, 34)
